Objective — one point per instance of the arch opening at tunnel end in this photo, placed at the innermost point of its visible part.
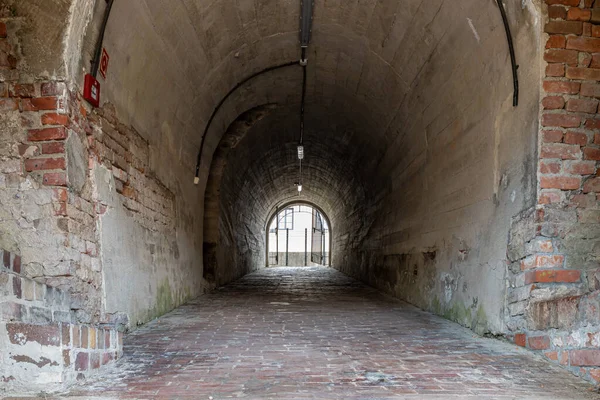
(298, 233)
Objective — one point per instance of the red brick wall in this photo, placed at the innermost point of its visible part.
(554, 298)
(56, 299)
(122, 150)
(39, 117)
(570, 123)
(50, 116)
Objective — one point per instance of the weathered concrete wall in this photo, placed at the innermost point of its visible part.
(42, 27)
(223, 260)
(425, 162)
(138, 234)
(459, 167)
(159, 240)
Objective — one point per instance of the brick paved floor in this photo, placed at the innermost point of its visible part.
(313, 333)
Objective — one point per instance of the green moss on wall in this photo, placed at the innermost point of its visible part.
(480, 321)
(166, 299)
(458, 312)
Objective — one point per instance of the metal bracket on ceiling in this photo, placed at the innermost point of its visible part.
(306, 15)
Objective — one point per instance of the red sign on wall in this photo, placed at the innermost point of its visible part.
(103, 63)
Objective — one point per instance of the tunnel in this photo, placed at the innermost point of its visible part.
(451, 147)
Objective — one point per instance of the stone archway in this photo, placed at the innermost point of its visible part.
(236, 131)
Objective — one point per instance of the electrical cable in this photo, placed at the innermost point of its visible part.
(302, 101)
(511, 49)
(303, 63)
(306, 7)
(212, 116)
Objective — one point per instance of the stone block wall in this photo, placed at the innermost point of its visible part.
(26, 300)
(553, 303)
(40, 339)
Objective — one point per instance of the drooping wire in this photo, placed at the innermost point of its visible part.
(216, 109)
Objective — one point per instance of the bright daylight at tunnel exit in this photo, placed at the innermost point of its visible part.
(300, 199)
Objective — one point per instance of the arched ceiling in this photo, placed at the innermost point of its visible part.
(368, 53)
(375, 68)
(409, 120)
(264, 168)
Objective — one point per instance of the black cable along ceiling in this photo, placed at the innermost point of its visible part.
(306, 7)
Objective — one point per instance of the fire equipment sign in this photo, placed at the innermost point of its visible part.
(104, 63)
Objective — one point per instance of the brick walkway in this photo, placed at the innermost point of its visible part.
(313, 333)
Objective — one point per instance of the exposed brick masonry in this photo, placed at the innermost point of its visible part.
(122, 150)
(51, 144)
(51, 117)
(57, 117)
(554, 298)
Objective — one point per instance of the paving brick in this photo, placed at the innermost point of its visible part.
(313, 333)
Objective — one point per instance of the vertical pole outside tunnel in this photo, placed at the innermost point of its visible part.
(287, 244)
(323, 249)
(305, 246)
